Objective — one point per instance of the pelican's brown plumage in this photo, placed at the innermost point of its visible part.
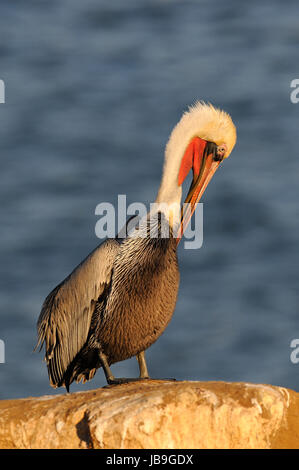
(120, 299)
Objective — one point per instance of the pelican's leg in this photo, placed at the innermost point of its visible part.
(111, 380)
(108, 374)
(142, 365)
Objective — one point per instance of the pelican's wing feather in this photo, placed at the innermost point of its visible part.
(65, 317)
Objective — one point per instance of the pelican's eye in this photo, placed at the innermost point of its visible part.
(220, 152)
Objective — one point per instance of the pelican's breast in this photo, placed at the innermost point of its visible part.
(142, 299)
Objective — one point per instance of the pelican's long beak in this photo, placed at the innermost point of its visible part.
(201, 156)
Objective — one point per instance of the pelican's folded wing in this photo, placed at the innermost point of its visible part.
(65, 318)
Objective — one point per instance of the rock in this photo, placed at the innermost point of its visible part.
(155, 415)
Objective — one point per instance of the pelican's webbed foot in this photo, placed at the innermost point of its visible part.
(124, 380)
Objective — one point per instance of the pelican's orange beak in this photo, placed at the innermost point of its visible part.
(203, 157)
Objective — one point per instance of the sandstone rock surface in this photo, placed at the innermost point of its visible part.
(155, 415)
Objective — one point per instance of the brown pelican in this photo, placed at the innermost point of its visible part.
(120, 299)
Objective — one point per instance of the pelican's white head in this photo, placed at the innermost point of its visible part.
(202, 138)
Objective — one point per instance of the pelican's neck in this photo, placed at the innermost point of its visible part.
(169, 191)
(169, 195)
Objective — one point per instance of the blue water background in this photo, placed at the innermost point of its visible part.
(93, 90)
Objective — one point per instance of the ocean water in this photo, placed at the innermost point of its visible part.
(92, 92)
